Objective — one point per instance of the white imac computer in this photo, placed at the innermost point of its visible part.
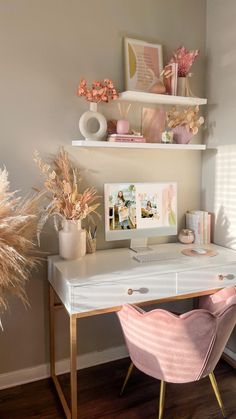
(137, 211)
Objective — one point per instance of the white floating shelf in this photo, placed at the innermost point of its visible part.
(143, 97)
(147, 146)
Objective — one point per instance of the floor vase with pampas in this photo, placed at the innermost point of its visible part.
(18, 227)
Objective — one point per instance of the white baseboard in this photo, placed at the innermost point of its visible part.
(39, 372)
(230, 353)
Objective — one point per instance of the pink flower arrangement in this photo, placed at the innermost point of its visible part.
(99, 91)
(184, 59)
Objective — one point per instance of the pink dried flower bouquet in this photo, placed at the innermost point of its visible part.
(184, 59)
(99, 92)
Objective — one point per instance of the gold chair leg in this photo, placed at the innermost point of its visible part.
(217, 392)
(162, 399)
(127, 377)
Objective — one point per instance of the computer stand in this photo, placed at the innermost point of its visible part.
(140, 245)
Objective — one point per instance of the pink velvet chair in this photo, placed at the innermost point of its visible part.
(180, 348)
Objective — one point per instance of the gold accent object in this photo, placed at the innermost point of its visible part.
(217, 392)
(70, 413)
(127, 377)
(141, 290)
(162, 399)
(91, 245)
(228, 276)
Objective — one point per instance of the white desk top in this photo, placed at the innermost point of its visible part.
(99, 281)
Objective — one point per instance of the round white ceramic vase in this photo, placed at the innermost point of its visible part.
(72, 240)
(86, 120)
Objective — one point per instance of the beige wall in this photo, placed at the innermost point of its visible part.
(46, 46)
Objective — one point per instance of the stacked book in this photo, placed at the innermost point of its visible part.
(128, 138)
(200, 223)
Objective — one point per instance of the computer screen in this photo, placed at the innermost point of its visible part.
(135, 210)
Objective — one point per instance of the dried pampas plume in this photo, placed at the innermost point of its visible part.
(18, 226)
(62, 187)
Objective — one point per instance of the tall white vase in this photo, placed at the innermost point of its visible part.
(182, 86)
(72, 240)
(86, 120)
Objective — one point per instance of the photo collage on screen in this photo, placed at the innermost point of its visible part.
(140, 206)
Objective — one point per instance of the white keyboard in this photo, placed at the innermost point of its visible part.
(154, 257)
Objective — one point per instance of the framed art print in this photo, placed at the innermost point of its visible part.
(143, 66)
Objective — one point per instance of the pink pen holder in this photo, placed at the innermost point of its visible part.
(122, 126)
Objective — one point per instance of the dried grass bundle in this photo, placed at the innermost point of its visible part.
(188, 117)
(18, 226)
(61, 185)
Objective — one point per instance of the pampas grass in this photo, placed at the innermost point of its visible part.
(18, 226)
(61, 186)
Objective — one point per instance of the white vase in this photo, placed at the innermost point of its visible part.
(182, 86)
(72, 240)
(86, 121)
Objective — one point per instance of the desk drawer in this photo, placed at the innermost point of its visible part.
(206, 279)
(111, 294)
(108, 294)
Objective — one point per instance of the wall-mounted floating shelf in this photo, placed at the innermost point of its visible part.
(143, 97)
(146, 146)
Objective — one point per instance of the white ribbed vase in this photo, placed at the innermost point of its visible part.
(72, 240)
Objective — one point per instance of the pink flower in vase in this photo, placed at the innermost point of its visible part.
(184, 59)
(99, 91)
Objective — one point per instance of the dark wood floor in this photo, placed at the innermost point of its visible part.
(98, 396)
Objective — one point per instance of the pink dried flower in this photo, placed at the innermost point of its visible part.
(184, 59)
(109, 83)
(104, 98)
(96, 84)
(83, 83)
(80, 91)
(99, 91)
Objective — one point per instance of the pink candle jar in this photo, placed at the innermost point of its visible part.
(186, 236)
(122, 126)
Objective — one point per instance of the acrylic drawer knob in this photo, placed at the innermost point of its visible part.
(222, 277)
(142, 290)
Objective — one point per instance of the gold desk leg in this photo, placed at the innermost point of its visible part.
(217, 392)
(52, 330)
(55, 380)
(127, 377)
(162, 399)
(73, 365)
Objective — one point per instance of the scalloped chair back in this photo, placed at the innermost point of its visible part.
(180, 348)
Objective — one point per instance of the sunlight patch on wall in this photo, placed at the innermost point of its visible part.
(225, 196)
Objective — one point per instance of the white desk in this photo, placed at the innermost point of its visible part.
(103, 281)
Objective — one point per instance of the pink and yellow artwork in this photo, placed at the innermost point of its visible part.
(144, 65)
